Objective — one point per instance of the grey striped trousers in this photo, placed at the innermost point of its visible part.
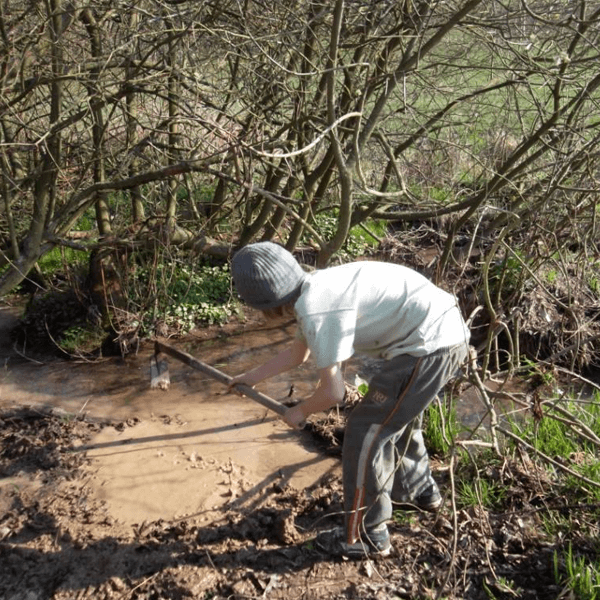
(384, 456)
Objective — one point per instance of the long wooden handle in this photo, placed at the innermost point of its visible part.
(188, 359)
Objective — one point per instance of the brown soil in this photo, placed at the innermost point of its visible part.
(111, 490)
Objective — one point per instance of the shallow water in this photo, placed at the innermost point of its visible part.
(190, 449)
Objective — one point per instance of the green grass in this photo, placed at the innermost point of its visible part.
(403, 517)
(501, 588)
(551, 438)
(441, 427)
(536, 374)
(61, 258)
(557, 440)
(479, 491)
(578, 574)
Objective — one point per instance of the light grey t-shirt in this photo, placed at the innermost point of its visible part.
(375, 308)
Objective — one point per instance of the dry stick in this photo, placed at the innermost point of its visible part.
(23, 355)
(572, 374)
(79, 356)
(390, 155)
(487, 297)
(454, 525)
(511, 348)
(525, 266)
(250, 392)
(210, 560)
(486, 399)
(439, 541)
(272, 198)
(128, 593)
(517, 333)
(574, 346)
(484, 515)
(546, 458)
(466, 443)
(309, 146)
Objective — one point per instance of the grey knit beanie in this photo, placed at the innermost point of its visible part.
(266, 275)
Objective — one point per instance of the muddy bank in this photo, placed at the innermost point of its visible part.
(59, 541)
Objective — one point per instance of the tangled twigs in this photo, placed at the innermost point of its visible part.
(575, 424)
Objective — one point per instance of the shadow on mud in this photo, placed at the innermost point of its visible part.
(60, 542)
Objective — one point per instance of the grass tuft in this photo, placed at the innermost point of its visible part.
(577, 574)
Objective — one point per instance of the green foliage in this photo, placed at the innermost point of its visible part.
(80, 339)
(535, 373)
(87, 221)
(363, 389)
(580, 576)
(197, 193)
(552, 525)
(402, 517)
(360, 239)
(369, 233)
(588, 467)
(172, 290)
(61, 259)
(53, 319)
(441, 195)
(185, 295)
(441, 427)
(72, 338)
(506, 275)
(479, 491)
(593, 281)
(204, 193)
(501, 586)
(552, 276)
(555, 436)
(362, 386)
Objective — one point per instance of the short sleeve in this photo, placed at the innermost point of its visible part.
(329, 336)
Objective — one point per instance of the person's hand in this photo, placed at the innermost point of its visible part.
(294, 417)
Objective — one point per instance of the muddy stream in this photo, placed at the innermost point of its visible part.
(187, 451)
(181, 452)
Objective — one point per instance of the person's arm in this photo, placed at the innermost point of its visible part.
(294, 355)
(330, 391)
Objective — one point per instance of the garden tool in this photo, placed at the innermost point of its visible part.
(159, 372)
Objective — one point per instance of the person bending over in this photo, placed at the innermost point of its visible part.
(380, 309)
